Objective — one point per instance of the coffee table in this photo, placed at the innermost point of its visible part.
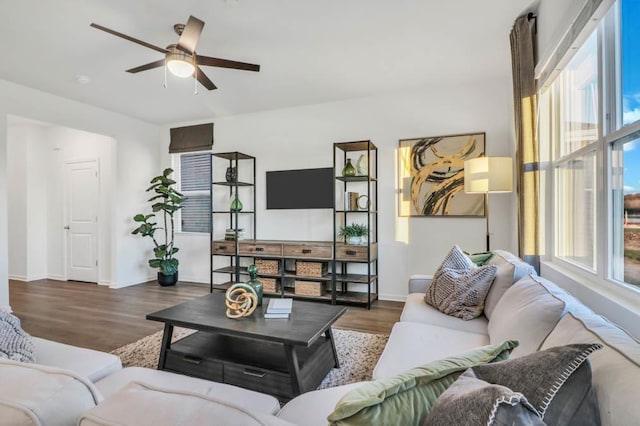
(281, 357)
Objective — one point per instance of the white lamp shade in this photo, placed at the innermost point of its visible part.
(488, 174)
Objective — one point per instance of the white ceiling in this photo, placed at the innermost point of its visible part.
(310, 51)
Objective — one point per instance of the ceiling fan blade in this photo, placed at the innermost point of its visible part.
(225, 63)
(204, 80)
(191, 34)
(149, 66)
(126, 37)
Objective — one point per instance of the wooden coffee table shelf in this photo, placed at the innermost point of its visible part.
(281, 357)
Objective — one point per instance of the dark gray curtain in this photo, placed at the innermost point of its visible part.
(523, 60)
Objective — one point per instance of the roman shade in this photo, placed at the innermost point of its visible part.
(191, 138)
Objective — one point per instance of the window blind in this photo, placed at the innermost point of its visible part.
(194, 171)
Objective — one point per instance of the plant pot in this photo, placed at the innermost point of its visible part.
(167, 280)
(353, 240)
(364, 240)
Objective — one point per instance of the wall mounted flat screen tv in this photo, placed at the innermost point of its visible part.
(300, 189)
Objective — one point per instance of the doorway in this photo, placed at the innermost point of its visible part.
(81, 217)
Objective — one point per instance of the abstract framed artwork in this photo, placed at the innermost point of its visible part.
(431, 176)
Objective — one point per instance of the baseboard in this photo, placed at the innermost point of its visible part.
(116, 285)
(198, 280)
(56, 277)
(104, 283)
(37, 277)
(392, 297)
(18, 278)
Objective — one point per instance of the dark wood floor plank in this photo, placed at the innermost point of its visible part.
(101, 318)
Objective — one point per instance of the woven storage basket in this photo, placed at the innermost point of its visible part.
(266, 266)
(309, 288)
(269, 285)
(311, 269)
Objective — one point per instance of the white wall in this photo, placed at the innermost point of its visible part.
(554, 19)
(17, 207)
(303, 137)
(27, 208)
(136, 158)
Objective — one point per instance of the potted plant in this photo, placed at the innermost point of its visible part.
(354, 234)
(168, 201)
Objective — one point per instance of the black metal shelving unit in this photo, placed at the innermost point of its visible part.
(341, 277)
(234, 159)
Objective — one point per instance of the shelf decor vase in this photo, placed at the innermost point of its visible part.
(254, 282)
(236, 204)
(353, 240)
(362, 165)
(231, 174)
(348, 169)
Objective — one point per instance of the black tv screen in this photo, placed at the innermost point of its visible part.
(300, 189)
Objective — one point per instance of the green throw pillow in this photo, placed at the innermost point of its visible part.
(407, 398)
(481, 259)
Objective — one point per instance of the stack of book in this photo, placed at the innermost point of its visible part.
(279, 308)
(234, 234)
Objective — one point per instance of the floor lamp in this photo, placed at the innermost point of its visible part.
(486, 175)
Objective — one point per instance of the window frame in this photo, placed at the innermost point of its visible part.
(611, 131)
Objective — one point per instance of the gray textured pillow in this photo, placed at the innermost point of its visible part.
(455, 259)
(15, 343)
(554, 384)
(460, 292)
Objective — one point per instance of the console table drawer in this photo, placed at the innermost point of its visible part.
(257, 379)
(260, 249)
(358, 253)
(193, 366)
(307, 250)
(223, 247)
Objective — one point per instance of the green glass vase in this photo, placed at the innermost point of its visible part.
(254, 282)
(349, 170)
(236, 204)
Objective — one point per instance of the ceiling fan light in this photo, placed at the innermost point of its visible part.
(180, 64)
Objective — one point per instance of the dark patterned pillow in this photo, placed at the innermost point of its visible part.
(547, 387)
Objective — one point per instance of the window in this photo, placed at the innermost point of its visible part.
(630, 60)
(576, 134)
(194, 170)
(590, 118)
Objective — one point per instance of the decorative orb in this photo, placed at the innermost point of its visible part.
(241, 300)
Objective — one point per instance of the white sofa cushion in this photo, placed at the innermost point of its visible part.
(33, 394)
(615, 368)
(510, 270)
(312, 408)
(140, 404)
(259, 402)
(528, 311)
(88, 363)
(412, 344)
(417, 310)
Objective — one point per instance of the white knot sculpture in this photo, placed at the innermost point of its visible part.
(241, 300)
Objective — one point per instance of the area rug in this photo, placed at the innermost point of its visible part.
(358, 353)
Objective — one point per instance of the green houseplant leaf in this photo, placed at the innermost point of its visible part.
(166, 201)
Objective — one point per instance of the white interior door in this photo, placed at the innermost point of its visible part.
(82, 221)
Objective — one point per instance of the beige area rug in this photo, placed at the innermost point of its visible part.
(358, 353)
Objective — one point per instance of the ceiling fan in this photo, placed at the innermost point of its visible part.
(181, 59)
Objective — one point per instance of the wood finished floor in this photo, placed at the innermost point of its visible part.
(101, 318)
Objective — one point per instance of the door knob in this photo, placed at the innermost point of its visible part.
(67, 227)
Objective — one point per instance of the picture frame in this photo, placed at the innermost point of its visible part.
(431, 176)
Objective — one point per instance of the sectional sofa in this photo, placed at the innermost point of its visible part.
(73, 385)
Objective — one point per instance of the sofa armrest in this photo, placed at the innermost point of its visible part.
(418, 283)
